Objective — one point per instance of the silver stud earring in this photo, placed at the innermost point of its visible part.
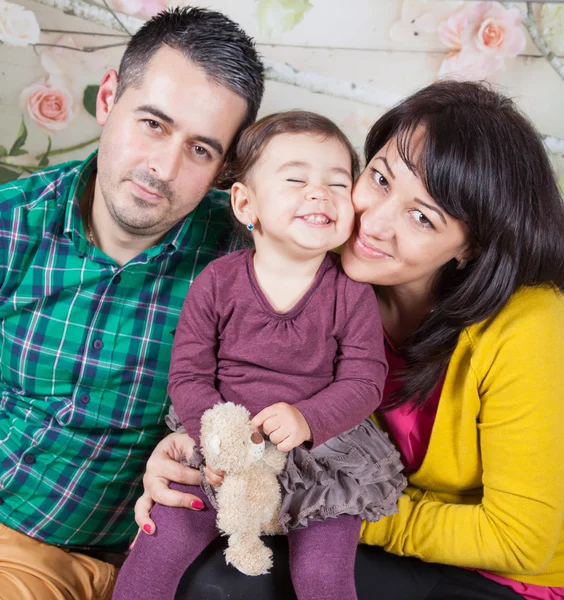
(461, 264)
(250, 226)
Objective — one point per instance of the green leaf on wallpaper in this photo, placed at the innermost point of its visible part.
(7, 175)
(44, 160)
(20, 141)
(3, 151)
(280, 15)
(89, 99)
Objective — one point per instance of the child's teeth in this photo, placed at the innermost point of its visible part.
(317, 219)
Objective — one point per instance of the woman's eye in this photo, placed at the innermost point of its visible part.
(379, 178)
(421, 219)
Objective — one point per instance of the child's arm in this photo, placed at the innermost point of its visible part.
(360, 373)
(191, 383)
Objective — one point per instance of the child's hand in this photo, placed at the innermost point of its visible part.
(284, 424)
(213, 477)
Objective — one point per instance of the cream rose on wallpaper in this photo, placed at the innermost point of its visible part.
(49, 104)
(483, 35)
(18, 26)
(278, 16)
(143, 8)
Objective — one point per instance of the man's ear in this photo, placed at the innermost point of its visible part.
(241, 203)
(106, 97)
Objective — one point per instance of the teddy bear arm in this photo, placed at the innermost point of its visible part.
(275, 459)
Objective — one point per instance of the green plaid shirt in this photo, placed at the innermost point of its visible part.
(84, 354)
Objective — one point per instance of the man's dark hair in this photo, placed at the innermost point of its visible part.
(210, 40)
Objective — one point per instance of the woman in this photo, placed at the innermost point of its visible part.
(460, 228)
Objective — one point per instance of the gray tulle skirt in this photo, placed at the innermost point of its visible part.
(356, 473)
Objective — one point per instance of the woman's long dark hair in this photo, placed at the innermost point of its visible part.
(485, 164)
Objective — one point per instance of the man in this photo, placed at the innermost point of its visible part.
(95, 261)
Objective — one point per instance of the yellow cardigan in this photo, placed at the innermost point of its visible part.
(490, 491)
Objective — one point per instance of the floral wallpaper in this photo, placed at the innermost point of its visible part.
(463, 39)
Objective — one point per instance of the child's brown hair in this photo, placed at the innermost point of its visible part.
(255, 138)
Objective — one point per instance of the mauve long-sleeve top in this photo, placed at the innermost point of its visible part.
(325, 356)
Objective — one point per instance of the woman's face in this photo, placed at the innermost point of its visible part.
(401, 237)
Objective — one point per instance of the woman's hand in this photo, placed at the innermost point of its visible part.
(284, 424)
(164, 467)
(213, 477)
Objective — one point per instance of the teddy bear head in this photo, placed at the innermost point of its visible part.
(227, 438)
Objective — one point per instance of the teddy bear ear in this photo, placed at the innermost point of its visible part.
(214, 444)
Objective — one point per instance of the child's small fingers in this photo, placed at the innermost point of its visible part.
(286, 444)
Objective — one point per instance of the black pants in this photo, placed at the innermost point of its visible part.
(379, 576)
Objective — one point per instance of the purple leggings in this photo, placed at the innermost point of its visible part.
(321, 556)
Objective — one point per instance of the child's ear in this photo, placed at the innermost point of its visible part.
(241, 203)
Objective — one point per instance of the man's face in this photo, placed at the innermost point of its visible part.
(163, 143)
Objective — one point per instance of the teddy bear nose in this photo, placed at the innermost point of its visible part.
(256, 438)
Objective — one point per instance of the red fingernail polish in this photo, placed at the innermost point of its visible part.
(147, 528)
(197, 504)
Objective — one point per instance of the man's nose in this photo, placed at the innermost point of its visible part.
(165, 161)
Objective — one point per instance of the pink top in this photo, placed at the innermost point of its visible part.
(411, 432)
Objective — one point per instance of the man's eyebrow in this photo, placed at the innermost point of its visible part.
(387, 164)
(212, 142)
(159, 114)
(431, 207)
(153, 110)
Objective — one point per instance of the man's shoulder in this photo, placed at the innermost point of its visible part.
(215, 204)
(40, 187)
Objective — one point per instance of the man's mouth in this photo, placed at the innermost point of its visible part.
(145, 193)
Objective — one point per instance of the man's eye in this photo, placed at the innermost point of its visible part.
(201, 151)
(152, 124)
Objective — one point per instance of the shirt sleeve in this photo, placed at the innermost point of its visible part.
(360, 369)
(517, 526)
(191, 382)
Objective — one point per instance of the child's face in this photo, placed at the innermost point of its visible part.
(300, 194)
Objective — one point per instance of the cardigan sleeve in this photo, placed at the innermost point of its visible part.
(515, 529)
(191, 382)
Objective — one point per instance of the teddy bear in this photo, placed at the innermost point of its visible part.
(248, 501)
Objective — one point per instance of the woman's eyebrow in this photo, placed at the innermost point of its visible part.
(387, 165)
(431, 207)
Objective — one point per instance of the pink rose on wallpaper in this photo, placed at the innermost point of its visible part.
(483, 35)
(143, 8)
(51, 107)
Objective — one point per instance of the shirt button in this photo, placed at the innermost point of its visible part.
(29, 459)
(85, 398)
(117, 278)
(1, 501)
(98, 344)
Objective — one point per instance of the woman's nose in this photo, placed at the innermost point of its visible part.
(377, 224)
